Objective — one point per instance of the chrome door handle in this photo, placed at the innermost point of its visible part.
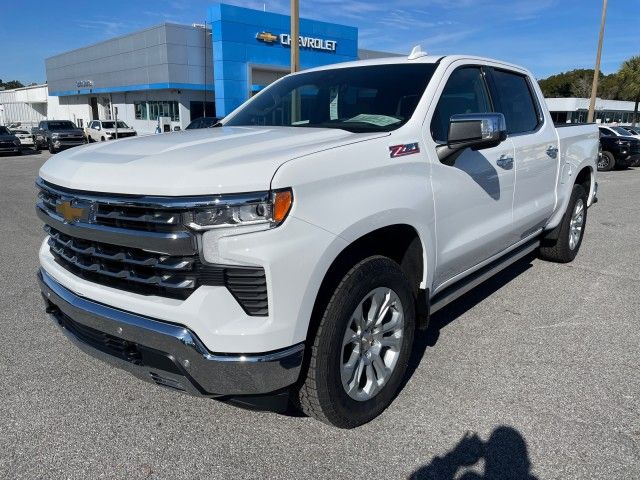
(505, 162)
(552, 151)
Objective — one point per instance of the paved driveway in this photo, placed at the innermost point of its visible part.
(536, 372)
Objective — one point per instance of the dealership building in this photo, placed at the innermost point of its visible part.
(170, 74)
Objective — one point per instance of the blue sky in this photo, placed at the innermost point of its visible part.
(547, 36)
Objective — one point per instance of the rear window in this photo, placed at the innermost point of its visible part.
(516, 102)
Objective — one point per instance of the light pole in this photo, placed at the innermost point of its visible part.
(596, 72)
(295, 36)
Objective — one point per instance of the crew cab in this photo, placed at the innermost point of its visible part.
(102, 130)
(291, 252)
(57, 135)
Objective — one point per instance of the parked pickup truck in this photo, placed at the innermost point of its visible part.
(57, 135)
(618, 151)
(291, 253)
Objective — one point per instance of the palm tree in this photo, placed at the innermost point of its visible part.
(630, 76)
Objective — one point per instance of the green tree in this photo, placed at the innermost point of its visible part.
(11, 84)
(629, 75)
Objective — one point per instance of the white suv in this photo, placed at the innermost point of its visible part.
(102, 130)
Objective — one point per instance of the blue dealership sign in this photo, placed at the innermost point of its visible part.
(244, 38)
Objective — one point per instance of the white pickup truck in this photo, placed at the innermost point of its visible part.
(291, 252)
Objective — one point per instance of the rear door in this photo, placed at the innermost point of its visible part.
(536, 150)
(473, 197)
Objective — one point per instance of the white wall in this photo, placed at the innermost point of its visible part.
(26, 105)
(126, 110)
(33, 104)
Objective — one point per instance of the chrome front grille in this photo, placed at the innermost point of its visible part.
(121, 215)
(138, 245)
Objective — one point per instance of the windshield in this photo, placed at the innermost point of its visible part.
(620, 131)
(357, 99)
(112, 125)
(20, 132)
(61, 125)
(4, 131)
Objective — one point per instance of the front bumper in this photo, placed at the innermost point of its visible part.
(67, 142)
(164, 353)
(14, 149)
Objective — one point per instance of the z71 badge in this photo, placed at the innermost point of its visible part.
(402, 150)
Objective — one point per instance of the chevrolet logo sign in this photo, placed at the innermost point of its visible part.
(73, 214)
(267, 37)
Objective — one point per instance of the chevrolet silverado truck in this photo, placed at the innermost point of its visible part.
(57, 135)
(291, 252)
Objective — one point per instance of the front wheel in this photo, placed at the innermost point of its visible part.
(606, 162)
(563, 242)
(362, 346)
(51, 147)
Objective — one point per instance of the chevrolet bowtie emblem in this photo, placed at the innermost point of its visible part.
(267, 37)
(71, 213)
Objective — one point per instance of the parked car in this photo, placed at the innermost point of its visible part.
(613, 131)
(294, 251)
(57, 135)
(618, 152)
(9, 143)
(633, 131)
(25, 137)
(102, 130)
(202, 122)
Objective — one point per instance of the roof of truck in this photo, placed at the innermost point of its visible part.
(407, 60)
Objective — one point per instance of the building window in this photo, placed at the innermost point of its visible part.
(141, 110)
(164, 109)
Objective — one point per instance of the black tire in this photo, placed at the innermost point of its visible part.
(606, 162)
(321, 394)
(51, 148)
(102, 139)
(555, 246)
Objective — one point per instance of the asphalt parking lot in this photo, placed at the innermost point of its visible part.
(536, 372)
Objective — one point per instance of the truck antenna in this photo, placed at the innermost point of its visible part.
(417, 52)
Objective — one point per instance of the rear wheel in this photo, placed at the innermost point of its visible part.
(563, 242)
(361, 349)
(606, 162)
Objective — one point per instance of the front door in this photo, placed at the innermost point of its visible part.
(474, 196)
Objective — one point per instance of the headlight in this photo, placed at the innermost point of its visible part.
(55, 135)
(16, 142)
(265, 209)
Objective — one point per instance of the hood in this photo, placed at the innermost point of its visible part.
(191, 162)
(7, 138)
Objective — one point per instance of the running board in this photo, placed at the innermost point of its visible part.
(461, 287)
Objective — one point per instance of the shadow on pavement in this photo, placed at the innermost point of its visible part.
(503, 456)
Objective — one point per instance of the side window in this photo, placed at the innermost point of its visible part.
(606, 132)
(516, 101)
(465, 92)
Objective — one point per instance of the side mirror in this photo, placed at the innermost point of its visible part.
(472, 130)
